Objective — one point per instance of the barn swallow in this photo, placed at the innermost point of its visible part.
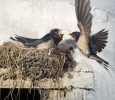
(50, 40)
(87, 43)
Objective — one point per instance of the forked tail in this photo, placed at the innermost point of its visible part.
(102, 62)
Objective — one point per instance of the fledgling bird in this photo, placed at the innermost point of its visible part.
(50, 40)
(87, 43)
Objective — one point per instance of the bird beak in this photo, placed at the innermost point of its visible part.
(60, 34)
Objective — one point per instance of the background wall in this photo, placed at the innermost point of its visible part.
(35, 18)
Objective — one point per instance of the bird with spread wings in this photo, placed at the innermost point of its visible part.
(87, 43)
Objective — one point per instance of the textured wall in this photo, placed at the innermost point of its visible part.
(34, 18)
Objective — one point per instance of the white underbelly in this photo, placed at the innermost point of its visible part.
(83, 45)
(46, 45)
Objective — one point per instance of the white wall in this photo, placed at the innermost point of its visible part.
(34, 18)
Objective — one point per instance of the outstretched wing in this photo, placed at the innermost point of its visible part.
(99, 40)
(84, 16)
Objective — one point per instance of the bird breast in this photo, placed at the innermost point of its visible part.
(83, 45)
(46, 45)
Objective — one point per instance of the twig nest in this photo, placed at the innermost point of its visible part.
(34, 63)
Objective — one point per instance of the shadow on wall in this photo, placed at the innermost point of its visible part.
(22, 94)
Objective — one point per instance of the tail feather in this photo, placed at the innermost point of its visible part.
(12, 38)
(21, 44)
(102, 62)
(105, 66)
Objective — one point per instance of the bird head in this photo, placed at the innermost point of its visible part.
(57, 35)
(75, 35)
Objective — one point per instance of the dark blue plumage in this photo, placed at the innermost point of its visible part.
(50, 40)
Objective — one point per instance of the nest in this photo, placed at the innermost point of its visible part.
(33, 63)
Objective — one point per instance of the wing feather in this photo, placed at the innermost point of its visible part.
(84, 16)
(24, 39)
(87, 10)
(83, 7)
(88, 20)
(99, 40)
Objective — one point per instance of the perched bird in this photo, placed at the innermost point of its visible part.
(87, 43)
(50, 40)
